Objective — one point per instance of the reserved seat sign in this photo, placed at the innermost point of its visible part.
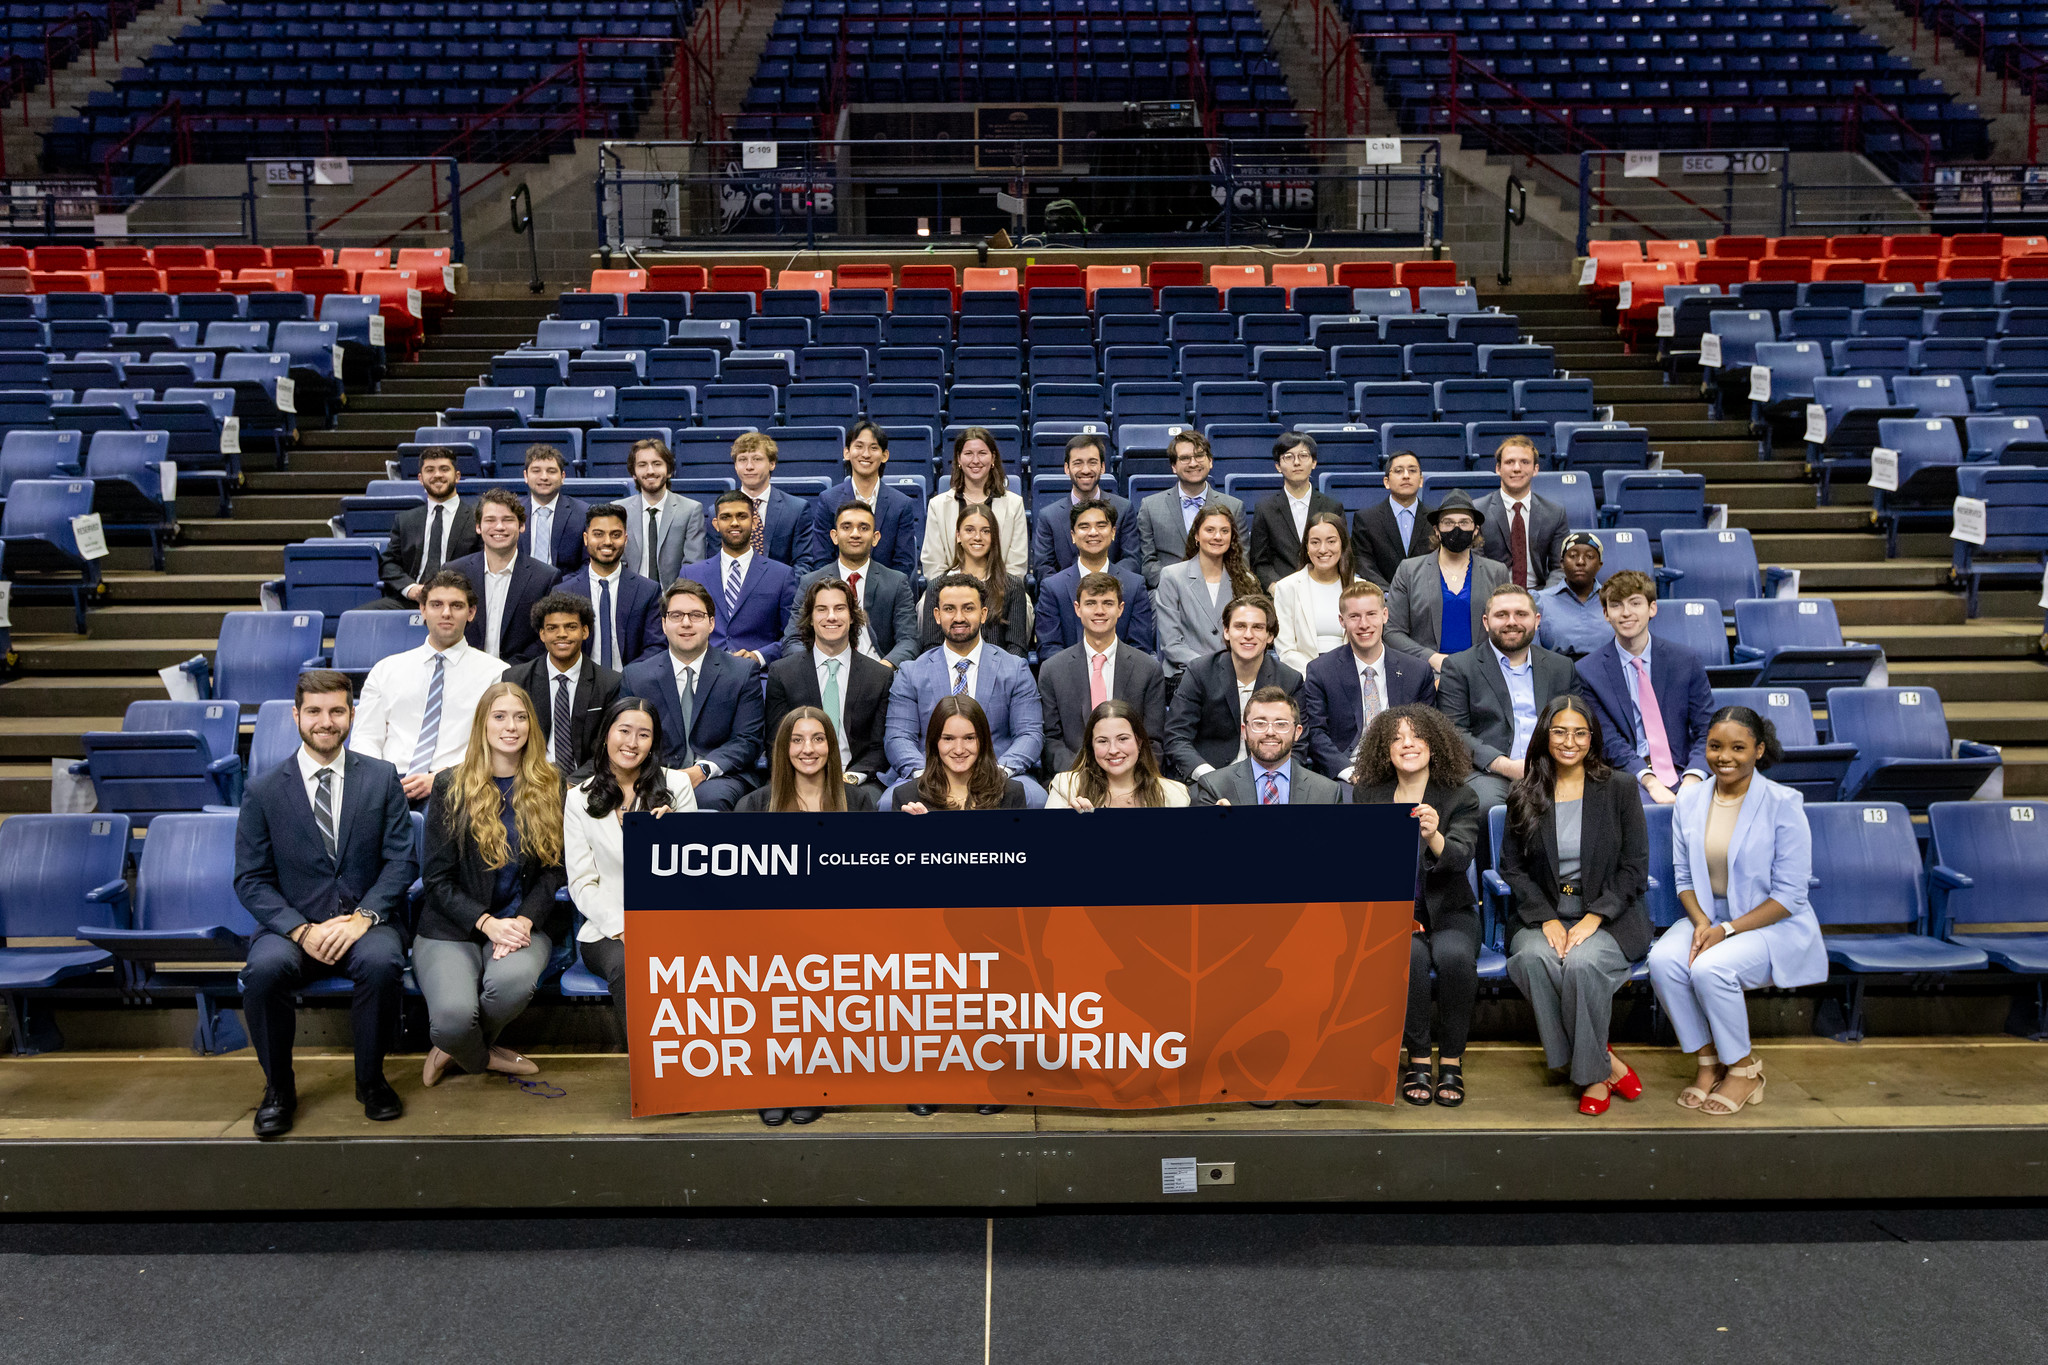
(1118, 960)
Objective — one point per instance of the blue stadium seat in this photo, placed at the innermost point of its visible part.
(1932, 395)
(1299, 403)
(1696, 624)
(582, 307)
(1986, 870)
(1903, 750)
(58, 873)
(259, 655)
(1554, 400)
(2006, 440)
(39, 551)
(39, 455)
(2015, 530)
(1440, 446)
(1574, 490)
(1654, 501)
(146, 772)
(1441, 360)
(126, 469)
(1720, 565)
(1629, 547)
(1475, 400)
(1797, 642)
(1913, 473)
(1813, 769)
(329, 577)
(276, 737)
(363, 637)
(1595, 448)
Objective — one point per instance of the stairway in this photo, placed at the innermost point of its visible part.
(67, 684)
(88, 72)
(1989, 672)
(1892, 22)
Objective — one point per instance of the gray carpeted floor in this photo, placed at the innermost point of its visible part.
(1525, 1287)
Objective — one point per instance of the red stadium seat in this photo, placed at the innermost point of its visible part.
(403, 324)
(1862, 247)
(1783, 269)
(1910, 270)
(1610, 259)
(164, 257)
(123, 279)
(108, 257)
(14, 257)
(1859, 269)
(1976, 244)
(50, 258)
(191, 279)
(1973, 268)
(2027, 267)
(1725, 271)
(1920, 244)
(1798, 248)
(1363, 274)
(433, 264)
(1739, 248)
(233, 260)
(930, 277)
(678, 279)
(740, 279)
(1415, 276)
(881, 277)
(316, 282)
(300, 257)
(62, 282)
(1060, 276)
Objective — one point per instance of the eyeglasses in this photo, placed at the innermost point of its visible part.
(686, 617)
(1564, 736)
(1268, 727)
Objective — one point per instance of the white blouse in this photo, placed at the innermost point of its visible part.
(595, 850)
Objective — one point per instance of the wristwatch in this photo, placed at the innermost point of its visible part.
(1728, 929)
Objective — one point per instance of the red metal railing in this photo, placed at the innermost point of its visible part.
(2011, 59)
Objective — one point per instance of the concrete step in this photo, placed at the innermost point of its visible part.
(47, 737)
(1754, 496)
(1981, 680)
(1860, 612)
(299, 482)
(77, 695)
(1954, 643)
(24, 788)
(1852, 576)
(1801, 519)
(67, 654)
(247, 530)
(2000, 722)
(1739, 464)
(130, 586)
(2026, 770)
(131, 622)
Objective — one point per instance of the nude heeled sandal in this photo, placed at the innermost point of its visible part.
(1692, 1097)
(1717, 1104)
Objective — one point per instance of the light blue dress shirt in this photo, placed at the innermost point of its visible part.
(1569, 625)
(1260, 772)
(1630, 676)
(1522, 692)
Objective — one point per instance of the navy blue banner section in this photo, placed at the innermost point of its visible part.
(1205, 855)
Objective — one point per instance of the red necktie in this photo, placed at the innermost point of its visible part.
(760, 540)
(1518, 549)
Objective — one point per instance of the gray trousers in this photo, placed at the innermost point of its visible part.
(1573, 998)
(471, 995)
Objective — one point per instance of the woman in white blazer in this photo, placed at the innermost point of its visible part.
(1188, 604)
(624, 775)
(1307, 598)
(1742, 858)
(977, 476)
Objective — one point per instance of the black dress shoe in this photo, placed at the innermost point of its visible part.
(274, 1114)
(1306, 1104)
(803, 1116)
(380, 1102)
(923, 1111)
(774, 1117)
(990, 1108)
(1262, 1104)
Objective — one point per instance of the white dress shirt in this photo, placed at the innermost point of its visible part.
(594, 853)
(1300, 511)
(610, 625)
(726, 560)
(845, 661)
(866, 644)
(1244, 700)
(692, 673)
(394, 701)
(309, 770)
(1507, 520)
(540, 528)
(448, 506)
(497, 587)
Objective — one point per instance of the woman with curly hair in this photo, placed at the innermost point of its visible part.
(1115, 766)
(1410, 756)
(1187, 606)
(493, 866)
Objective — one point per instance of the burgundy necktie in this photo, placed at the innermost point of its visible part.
(1518, 549)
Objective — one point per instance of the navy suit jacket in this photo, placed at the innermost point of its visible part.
(1052, 535)
(1002, 684)
(283, 874)
(1059, 626)
(1333, 711)
(638, 612)
(766, 595)
(788, 532)
(531, 581)
(565, 548)
(899, 527)
(1684, 697)
(726, 724)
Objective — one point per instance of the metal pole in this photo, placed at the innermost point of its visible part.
(1785, 194)
(1728, 199)
(306, 196)
(1514, 214)
(454, 211)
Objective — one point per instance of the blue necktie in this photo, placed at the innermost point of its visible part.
(732, 591)
(960, 676)
(606, 639)
(430, 720)
(1272, 796)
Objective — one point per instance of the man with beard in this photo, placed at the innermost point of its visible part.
(424, 539)
(1269, 774)
(626, 607)
(963, 663)
(1494, 691)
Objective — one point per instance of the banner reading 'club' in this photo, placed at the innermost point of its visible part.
(1223, 955)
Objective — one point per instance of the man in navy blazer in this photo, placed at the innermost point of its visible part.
(626, 605)
(784, 534)
(1093, 527)
(556, 517)
(507, 582)
(898, 528)
(882, 594)
(1682, 698)
(1333, 686)
(721, 739)
(751, 626)
(1052, 540)
(996, 678)
(323, 859)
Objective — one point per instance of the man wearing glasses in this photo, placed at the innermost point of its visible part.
(1269, 774)
(709, 701)
(1281, 518)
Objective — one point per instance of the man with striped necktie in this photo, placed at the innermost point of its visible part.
(1269, 774)
(569, 690)
(754, 593)
(417, 706)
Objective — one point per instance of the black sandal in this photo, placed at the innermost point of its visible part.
(1419, 1079)
(1450, 1080)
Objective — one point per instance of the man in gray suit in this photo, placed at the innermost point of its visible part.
(677, 522)
(1269, 774)
(1493, 692)
(1067, 685)
(881, 593)
(1523, 531)
(1164, 518)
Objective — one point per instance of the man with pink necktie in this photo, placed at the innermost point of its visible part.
(1098, 668)
(1653, 700)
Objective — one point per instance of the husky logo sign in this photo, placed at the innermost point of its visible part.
(768, 200)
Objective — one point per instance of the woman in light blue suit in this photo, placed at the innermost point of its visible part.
(1743, 858)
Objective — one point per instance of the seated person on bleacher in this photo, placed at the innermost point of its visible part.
(1436, 605)
(1309, 599)
(1270, 773)
(1189, 603)
(709, 701)
(882, 594)
(978, 551)
(783, 531)
(978, 476)
(1098, 667)
(416, 705)
(425, 538)
(1528, 530)
(554, 520)
(1652, 698)
(1574, 622)
(1342, 691)
(825, 670)
(1281, 518)
(1092, 536)
(1205, 724)
(1052, 544)
(665, 530)
(1165, 518)
(507, 582)
(1494, 691)
(327, 892)
(896, 528)
(967, 664)
(626, 624)
(754, 592)
(569, 690)
(1386, 533)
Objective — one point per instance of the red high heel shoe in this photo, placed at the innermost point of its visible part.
(1630, 1086)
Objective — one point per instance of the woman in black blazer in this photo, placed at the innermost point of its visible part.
(493, 866)
(1577, 857)
(1411, 756)
(978, 552)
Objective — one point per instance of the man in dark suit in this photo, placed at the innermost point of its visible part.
(1388, 532)
(507, 582)
(709, 701)
(569, 691)
(1098, 667)
(1269, 774)
(1656, 733)
(1523, 531)
(1493, 692)
(899, 530)
(1205, 725)
(1093, 531)
(554, 521)
(626, 607)
(424, 539)
(882, 594)
(1280, 517)
(826, 671)
(783, 532)
(754, 593)
(1052, 542)
(1334, 690)
(323, 858)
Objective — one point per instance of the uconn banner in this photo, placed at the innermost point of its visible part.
(1119, 960)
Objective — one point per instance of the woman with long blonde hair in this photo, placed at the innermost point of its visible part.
(493, 865)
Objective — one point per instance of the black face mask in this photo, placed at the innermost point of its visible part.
(1457, 540)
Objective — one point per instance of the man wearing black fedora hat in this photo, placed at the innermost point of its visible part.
(1436, 604)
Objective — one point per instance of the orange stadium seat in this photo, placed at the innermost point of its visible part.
(1228, 277)
(122, 279)
(617, 281)
(1114, 277)
(988, 279)
(1924, 244)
